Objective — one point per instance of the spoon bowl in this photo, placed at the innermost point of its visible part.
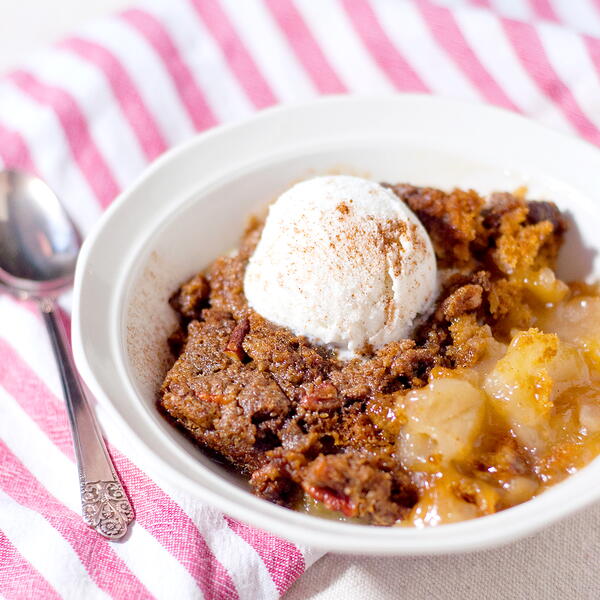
(39, 243)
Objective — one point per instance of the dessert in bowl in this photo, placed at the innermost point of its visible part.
(353, 357)
(187, 217)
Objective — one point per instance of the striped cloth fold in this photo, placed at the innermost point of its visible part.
(90, 113)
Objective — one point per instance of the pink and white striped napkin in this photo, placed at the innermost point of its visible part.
(90, 113)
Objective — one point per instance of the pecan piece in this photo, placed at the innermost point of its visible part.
(332, 500)
(463, 300)
(234, 348)
(538, 210)
(322, 398)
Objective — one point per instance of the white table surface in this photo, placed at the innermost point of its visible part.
(27, 25)
(561, 562)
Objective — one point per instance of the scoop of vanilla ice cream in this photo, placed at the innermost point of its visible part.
(344, 262)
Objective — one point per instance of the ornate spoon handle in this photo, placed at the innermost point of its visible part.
(105, 506)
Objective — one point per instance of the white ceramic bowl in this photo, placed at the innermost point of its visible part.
(190, 206)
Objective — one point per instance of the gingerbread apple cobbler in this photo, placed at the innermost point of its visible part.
(391, 354)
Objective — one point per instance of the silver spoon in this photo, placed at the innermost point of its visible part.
(38, 251)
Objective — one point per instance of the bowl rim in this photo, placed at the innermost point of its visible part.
(479, 533)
